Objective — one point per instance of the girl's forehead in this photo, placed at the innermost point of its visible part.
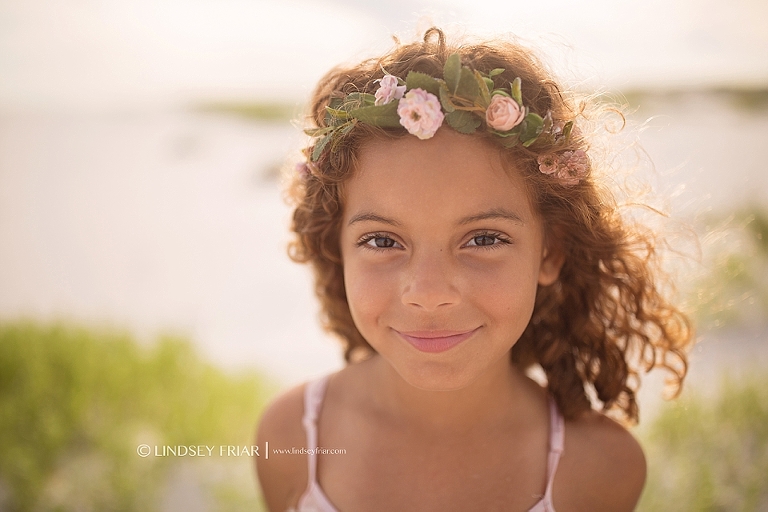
(450, 171)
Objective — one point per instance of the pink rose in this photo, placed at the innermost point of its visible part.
(420, 113)
(504, 113)
(388, 90)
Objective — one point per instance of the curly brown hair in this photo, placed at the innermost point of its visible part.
(603, 321)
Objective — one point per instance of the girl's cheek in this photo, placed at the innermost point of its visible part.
(506, 267)
(369, 284)
(504, 280)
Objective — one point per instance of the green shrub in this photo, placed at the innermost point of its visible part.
(711, 454)
(76, 403)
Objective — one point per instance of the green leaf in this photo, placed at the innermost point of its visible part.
(358, 99)
(495, 72)
(482, 86)
(339, 134)
(463, 121)
(445, 99)
(488, 83)
(510, 142)
(383, 116)
(346, 128)
(314, 132)
(567, 130)
(536, 120)
(320, 146)
(337, 113)
(468, 87)
(514, 132)
(452, 72)
(517, 93)
(532, 127)
(417, 80)
(335, 104)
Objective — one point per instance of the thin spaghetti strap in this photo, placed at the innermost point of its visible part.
(313, 399)
(556, 445)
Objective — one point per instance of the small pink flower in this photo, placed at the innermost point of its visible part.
(504, 113)
(388, 90)
(302, 170)
(420, 113)
(578, 163)
(570, 167)
(306, 169)
(548, 163)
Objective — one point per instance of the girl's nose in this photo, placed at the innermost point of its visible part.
(430, 282)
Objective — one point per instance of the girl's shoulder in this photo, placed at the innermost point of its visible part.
(282, 477)
(602, 466)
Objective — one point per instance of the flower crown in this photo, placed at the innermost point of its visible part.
(465, 99)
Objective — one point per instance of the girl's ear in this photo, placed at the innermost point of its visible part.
(552, 259)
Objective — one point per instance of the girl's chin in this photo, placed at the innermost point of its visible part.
(433, 376)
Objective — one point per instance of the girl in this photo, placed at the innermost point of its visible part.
(461, 241)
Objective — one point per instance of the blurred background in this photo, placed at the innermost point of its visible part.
(145, 291)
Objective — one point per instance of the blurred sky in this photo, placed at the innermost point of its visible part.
(113, 53)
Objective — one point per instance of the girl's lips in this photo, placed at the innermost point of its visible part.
(435, 341)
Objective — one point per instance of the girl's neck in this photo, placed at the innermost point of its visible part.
(490, 399)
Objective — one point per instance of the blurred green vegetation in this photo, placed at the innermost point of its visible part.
(76, 403)
(744, 98)
(710, 452)
(733, 290)
(710, 455)
(263, 111)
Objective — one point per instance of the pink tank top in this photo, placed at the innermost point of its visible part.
(315, 500)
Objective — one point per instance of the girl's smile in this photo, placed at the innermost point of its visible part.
(442, 257)
(435, 341)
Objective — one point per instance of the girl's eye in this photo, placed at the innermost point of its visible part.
(378, 241)
(488, 240)
(382, 241)
(483, 240)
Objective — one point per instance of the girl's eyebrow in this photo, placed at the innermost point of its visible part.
(370, 216)
(493, 213)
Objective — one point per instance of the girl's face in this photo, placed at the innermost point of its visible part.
(442, 256)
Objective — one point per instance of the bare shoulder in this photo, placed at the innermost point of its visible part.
(282, 478)
(602, 468)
